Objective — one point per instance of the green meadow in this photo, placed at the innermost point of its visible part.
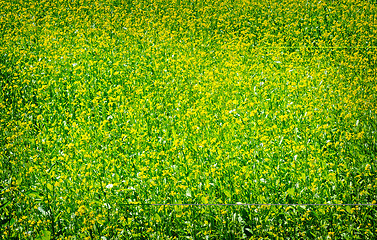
(109, 107)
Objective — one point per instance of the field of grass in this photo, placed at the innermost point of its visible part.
(108, 107)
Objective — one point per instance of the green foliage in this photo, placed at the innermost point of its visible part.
(110, 106)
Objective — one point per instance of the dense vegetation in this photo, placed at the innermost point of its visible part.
(110, 104)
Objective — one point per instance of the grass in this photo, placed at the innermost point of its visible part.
(109, 107)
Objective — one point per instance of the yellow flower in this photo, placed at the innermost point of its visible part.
(81, 211)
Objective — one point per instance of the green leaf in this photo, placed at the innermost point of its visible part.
(227, 193)
(19, 181)
(45, 235)
(58, 216)
(4, 205)
(12, 221)
(35, 195)
(348, 209)
(157, 217)
(50, 187)
(291, 191)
